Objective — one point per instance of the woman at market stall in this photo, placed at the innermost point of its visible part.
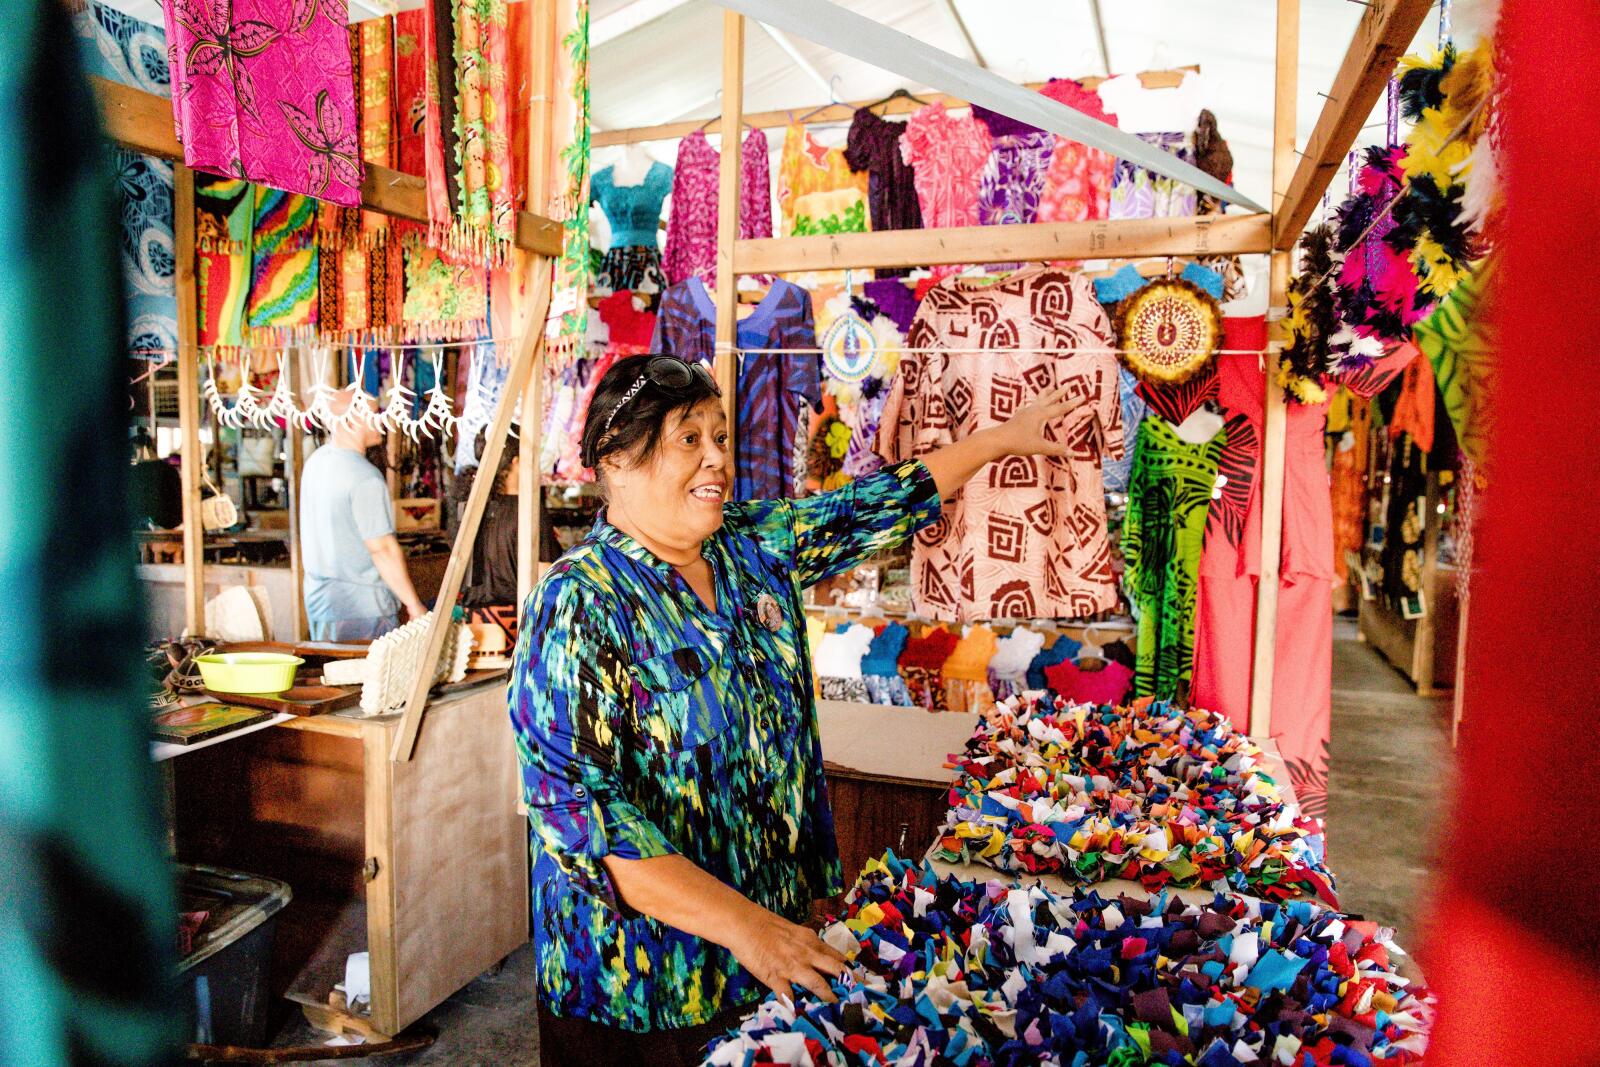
(663, 709)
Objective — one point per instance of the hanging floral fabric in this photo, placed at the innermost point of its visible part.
(1013, 177)
(485, 217)
(568, 322)
(265, 93)
(124, 50)
(806, 168)
(149, 267)
(358, 251)
(444, 301)
(283, 268)
(121, 48)
(224, 218)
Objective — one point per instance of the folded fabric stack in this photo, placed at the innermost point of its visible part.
(1150, 793)
(972, 974)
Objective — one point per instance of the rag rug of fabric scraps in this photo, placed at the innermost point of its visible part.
(265, 92)
(974, 974)
(358, 253)
(283, 269)
(1149, 793)
(224, 220)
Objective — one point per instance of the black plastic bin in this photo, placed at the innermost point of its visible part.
(226, 970)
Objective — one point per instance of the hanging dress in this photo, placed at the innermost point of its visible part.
(1162, 534)
(1230, 568)
(948, 155)
(692, 227)
(874, 147)
(775, 388)
(634, 212)
(1077, 183)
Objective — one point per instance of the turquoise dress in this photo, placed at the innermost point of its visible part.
(633, 261)
(648, 725)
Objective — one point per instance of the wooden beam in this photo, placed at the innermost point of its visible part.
(727, 367)
(1381, 38)
(1275, 428)
(528, 348)
(194, 533)
(765, 120)
(1034, 242)
(142, 122)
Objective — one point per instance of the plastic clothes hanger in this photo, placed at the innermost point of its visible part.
(1089, 651)
(898, 94)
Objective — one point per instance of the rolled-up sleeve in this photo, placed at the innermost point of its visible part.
(569, 696)
(832, 532)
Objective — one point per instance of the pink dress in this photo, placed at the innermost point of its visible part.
(1077, 185)
(1230, 568)
(692, 226)
(948, 155)
(1026, 537)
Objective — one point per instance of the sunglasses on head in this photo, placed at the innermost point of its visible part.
(669, 373)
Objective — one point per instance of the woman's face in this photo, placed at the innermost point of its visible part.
(675, 496)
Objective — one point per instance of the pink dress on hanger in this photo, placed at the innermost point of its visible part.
(1230, 568)
(948, 155)
(1077, 184)
(691, 249)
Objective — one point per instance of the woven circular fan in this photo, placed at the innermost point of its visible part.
(1169, 331)
(849, 347)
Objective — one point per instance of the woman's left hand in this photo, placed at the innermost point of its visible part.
(1024, 433)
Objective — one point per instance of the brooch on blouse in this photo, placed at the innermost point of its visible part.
(769, 613)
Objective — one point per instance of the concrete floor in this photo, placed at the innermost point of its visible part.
(1388, 782)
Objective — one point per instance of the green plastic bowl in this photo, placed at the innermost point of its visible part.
(254, 673)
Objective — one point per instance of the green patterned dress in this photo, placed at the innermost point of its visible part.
(1168, 494)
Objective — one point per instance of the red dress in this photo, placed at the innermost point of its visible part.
(1230, 566)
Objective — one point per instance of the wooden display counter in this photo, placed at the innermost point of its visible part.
(887, 779)
(424, 864)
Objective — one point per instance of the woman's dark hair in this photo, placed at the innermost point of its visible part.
(636, 429)
(463, 483)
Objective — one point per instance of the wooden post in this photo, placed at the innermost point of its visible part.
(727, 364)
(194, 534)
(1276, 427)
(294, 458)
(528, 347)
(530, 494)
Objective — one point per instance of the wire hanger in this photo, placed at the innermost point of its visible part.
(833, 101)
(898, 94)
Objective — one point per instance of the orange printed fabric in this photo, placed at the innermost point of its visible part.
(1026, 538)
(806, 167)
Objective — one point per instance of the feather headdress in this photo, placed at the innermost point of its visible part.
(1311, 323)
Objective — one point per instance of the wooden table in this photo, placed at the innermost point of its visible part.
(423, 864)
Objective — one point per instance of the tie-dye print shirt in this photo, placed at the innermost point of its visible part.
(649, 724)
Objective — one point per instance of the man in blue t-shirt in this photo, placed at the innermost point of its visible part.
(356, 580)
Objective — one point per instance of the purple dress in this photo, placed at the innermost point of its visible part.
(874, 147)
(1013, 178)
(774, 388)
(1137, 193)
(692, 227)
